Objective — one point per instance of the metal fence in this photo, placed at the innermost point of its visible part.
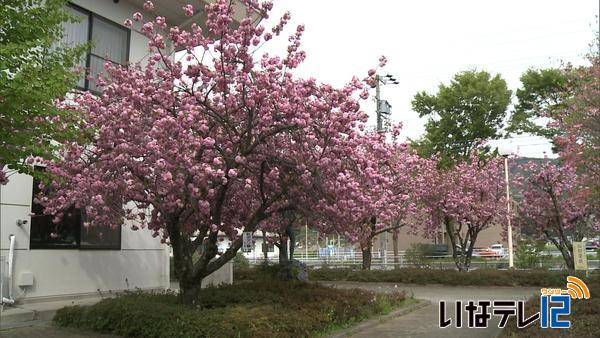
(353, 259)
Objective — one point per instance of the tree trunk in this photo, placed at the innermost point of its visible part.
(569, 260)
(183, 265)
(292, 240)
(190, 270)
(568, 257)
(469, 254)
(461, 256)
(366, 254)
(450, 232)
(283, 250)
(562, 245)
(395, 233)
(190, 292)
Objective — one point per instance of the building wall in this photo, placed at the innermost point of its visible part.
(487, 237)
(142, 261)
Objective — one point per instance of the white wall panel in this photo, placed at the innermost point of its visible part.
(17, 191)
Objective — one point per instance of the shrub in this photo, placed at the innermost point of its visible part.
(480, 277)
(530, 253)
(251, 309)
(240, 261)
(419, 254)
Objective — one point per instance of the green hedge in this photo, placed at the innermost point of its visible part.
(483, 277)
(252, 309)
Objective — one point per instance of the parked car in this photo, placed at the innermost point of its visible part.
(592, 245)
(494, 251)
(498, 249)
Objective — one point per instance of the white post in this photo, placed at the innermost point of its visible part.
(306, 240)
(510, 236)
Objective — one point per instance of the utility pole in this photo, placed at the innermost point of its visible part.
(377, 99)
(505, 151)
(383, 107)
(511, 263)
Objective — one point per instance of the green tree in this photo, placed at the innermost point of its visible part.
(542, 94)
(34, 71)
(470, 109)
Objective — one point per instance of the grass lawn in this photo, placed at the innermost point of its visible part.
(251, 309)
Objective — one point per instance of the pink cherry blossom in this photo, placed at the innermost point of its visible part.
(148, 6)
(189, 10)
(137, 16)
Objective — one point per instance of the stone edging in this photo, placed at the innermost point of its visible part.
(381, 319)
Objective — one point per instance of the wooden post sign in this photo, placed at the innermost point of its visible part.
(579, 256)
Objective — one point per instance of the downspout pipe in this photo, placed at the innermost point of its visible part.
(11, 255)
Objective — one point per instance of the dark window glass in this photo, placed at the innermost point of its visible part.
(70, 232)
(100, 237)
(47, 234)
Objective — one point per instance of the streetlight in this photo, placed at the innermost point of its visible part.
(505, 151)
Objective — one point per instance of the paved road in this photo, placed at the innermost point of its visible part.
(424, 322)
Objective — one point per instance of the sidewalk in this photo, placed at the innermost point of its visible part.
(46, 330)
(27, 314)
(423, 322)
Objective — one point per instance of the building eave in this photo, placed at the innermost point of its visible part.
(175, 16)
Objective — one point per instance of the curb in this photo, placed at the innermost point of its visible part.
(381, 319)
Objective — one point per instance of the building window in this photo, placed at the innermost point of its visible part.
(109, 40)
(70, 232)
(100, 237)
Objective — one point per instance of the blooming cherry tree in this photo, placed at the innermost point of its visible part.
(374, 191)
(465, 200)
(215, 142)
(579, 124)
(556, 204)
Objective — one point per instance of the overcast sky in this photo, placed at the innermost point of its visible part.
(428, 41)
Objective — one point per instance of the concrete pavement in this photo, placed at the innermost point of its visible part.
(27, 313)
(43, 329)
(424, 322)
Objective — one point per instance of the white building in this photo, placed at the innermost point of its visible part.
(65, 260)
(255, 252)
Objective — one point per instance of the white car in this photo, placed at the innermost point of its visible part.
(498, 249)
